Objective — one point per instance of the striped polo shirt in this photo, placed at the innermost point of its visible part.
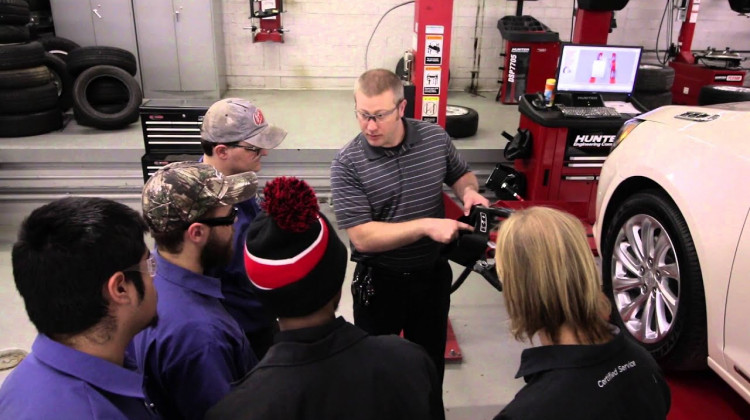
(396, 185)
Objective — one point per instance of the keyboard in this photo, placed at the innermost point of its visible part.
(588, 111)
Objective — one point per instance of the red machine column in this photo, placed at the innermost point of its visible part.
(432, 35)
(593, 19)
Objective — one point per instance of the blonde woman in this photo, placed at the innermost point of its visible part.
(582, 367)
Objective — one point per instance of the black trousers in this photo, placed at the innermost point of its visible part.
(415, 303)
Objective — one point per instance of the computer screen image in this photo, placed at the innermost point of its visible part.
(597, 68)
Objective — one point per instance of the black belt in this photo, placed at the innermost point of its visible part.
(398, 273)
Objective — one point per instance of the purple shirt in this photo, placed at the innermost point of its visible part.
(197, 349)
(58, 382)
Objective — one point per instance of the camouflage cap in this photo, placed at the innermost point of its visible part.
(233, 119)
(181, 192)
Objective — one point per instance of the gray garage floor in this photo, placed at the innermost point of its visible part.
(475, 388)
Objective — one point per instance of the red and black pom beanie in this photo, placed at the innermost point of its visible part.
(294, 259)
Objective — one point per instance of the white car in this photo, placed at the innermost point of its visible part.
(673, 230)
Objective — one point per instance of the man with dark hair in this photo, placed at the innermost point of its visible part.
(387, 188)
(197, 350)
(320, 366)
(85, 275)
(235, 136)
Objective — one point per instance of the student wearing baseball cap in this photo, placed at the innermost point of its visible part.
(235, 136)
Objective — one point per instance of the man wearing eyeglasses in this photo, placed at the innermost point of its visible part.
(197, 350)
(235, 136)
(85, 275)
(387, 188)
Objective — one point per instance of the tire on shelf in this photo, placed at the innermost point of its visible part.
(21, 56)
(28, 100)
(93, 116)
(722, 94)
(58, 46)
(83, 58)
(107, 91)
(23, 78)
(654, 78)
(652, 100)
(110, 108)
(461, 121)
(14, 12)
(39, 5)
(62, 80)
(23, 125)
(10, 34)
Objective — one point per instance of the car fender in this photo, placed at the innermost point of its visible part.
(714, 211)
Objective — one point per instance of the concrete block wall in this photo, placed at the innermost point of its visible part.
(326, 43)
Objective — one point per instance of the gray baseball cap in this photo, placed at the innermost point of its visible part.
(233, 119)
(180, 193)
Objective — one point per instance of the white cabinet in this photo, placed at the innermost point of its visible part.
(107, 23)
(181, 48)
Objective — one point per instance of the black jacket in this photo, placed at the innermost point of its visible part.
(337, 371)
(615, 380)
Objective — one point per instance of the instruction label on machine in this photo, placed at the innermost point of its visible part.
(430, 105)
(433, 49)
(431, 82)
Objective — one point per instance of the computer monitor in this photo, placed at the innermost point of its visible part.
(609, 70)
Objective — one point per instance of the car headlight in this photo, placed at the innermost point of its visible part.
(624, 132)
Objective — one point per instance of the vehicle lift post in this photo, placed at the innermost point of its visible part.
(433, 21)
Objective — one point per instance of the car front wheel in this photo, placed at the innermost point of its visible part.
(652, 276)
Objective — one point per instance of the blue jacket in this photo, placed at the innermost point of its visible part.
(59, 382)
(194, 353)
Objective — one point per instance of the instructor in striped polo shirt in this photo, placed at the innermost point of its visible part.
(387, 188)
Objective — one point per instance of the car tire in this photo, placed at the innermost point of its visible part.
(654, 78)
(461, 121)
(14, 12)
(107, 91)
(39, 5)
(61, 79)
(11, 34)
(28, 100)
(83, 58)
(106, 117)
(23, 78)
(21, 56)
(30, 124)
(665, 289)
(58, 46)
(650, 100)
(721, 94)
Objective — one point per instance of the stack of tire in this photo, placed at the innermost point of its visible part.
(722, 94)
(29, 100)
(653, 86)
(105, 92)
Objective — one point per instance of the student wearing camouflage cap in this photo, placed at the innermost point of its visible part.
(235, 136)
(197, 349)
